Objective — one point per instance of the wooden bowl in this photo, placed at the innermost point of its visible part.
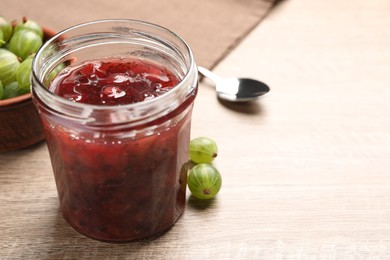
(20, 124)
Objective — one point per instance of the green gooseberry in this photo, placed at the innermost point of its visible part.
(9, 63)
(24, 43)
(1, 38)
(204, 181)
(29, 25)
(1, 90)
(23, 74)
(203, 150)
(6, 28)
(12, 90)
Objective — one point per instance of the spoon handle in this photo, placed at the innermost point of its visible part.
(208, 74)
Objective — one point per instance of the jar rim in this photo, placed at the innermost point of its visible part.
(192, 67)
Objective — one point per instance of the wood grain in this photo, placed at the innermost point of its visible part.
(306, 169)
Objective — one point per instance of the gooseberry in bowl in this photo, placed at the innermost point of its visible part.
(20, 125)
(24, 43)
(6, 29)
(29, 25)
(9, 63)
(1, 38)
(23, 73)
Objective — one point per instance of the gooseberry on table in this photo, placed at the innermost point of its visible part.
(203, 150)
(204, 181)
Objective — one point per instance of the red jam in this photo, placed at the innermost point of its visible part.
(119, 188)
(116, 82)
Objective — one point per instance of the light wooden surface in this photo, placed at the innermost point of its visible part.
(306, 169)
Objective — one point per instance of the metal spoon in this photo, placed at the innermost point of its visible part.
(236, 89)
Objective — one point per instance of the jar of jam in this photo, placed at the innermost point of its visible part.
(115, 98)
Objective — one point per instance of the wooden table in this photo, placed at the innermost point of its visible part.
(306, 169)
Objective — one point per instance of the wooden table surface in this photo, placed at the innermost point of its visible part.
(306, 169)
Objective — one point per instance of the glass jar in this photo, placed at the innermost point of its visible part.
(120, 170)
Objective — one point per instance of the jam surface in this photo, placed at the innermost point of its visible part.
(119, 187)
(113, 82)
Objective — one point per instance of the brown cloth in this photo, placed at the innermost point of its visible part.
(211, 27)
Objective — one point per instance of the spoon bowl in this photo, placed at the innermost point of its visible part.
(236, 89)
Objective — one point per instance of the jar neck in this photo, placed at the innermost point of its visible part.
(112, 39)
(135, 116)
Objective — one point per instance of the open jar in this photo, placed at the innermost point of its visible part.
(120, 169)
